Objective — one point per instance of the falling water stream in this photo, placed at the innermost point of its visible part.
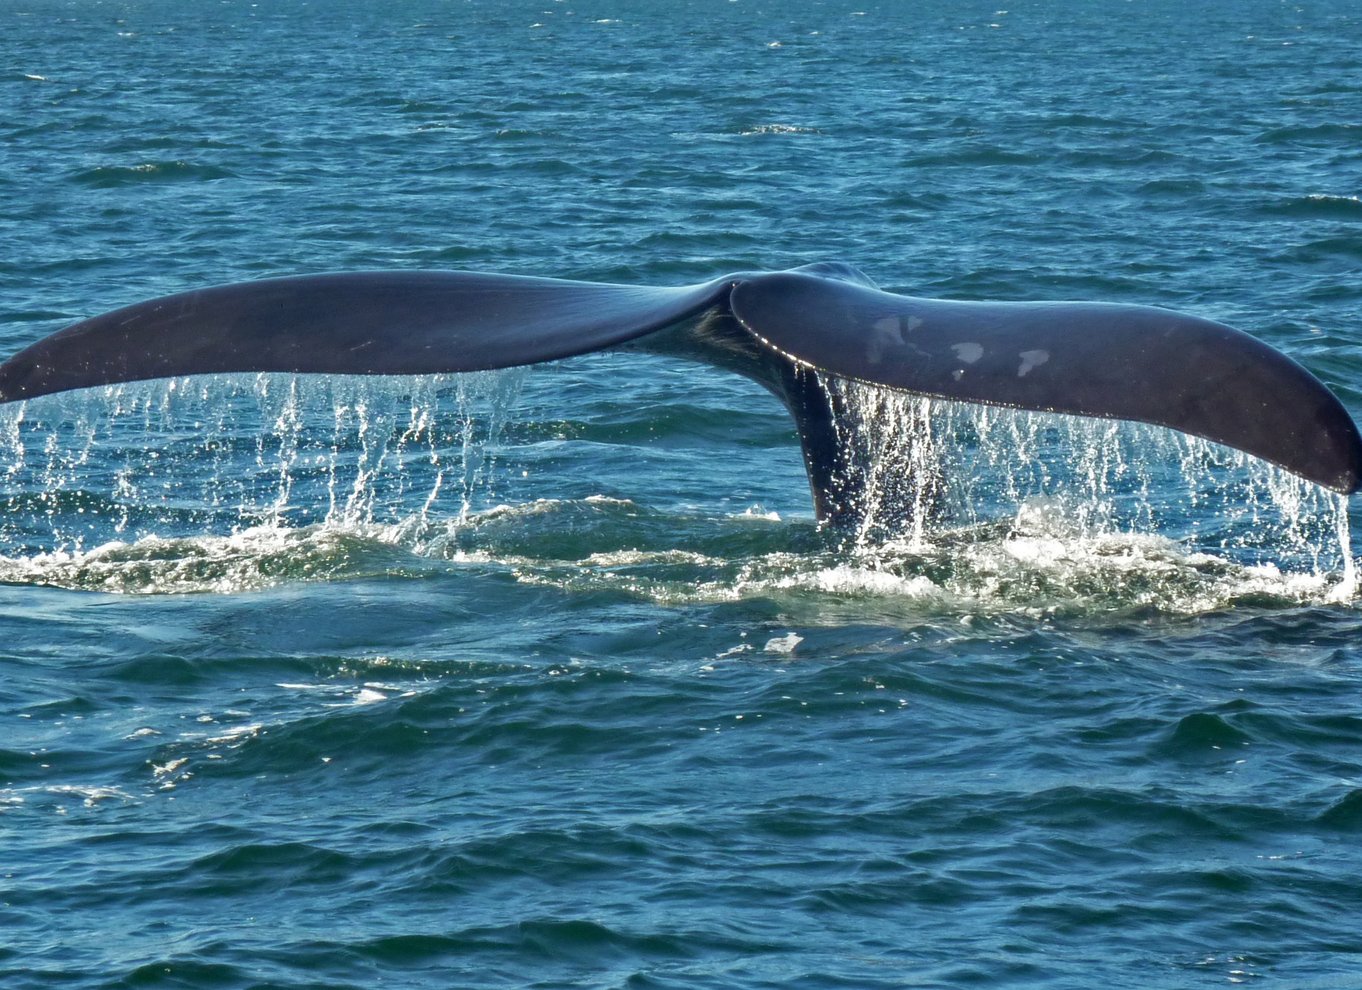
(232, 483)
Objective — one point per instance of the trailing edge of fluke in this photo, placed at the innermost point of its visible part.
(1089, 359)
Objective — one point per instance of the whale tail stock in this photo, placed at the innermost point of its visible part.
(1088, 359)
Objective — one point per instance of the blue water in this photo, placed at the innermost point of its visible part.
(548, 678)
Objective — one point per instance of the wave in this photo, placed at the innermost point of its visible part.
(978, 155)
(112, 176)
(1040, 563)
(766, 130)
(1327, 133)
(1317, 206)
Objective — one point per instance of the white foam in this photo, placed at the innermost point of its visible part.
(89, 796)
(783, 645)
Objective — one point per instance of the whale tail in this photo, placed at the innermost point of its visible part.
(1088, 359)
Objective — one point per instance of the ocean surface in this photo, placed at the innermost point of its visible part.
(547, 677)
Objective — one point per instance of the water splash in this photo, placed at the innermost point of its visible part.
(234, 483)
(228, 454)
(1088, 482)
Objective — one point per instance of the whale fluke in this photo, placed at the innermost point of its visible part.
(365, 323)
(1090, 359)
(1113, 361)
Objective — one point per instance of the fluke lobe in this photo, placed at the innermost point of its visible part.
(1088, 359)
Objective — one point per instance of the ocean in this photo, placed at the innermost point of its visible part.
(548, 677)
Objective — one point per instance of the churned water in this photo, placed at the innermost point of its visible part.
(547, 677)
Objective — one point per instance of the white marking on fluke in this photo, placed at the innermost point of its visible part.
(1030, 360)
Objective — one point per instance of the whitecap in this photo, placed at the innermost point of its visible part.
(783, 645)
